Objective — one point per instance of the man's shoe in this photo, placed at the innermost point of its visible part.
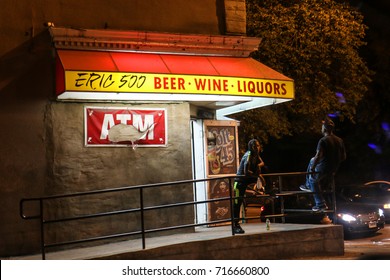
(304, 188)
(238, 230)
(320, 208)
(325, 220)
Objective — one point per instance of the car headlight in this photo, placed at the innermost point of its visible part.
(380, 212)
(347, 217)
(386, 206)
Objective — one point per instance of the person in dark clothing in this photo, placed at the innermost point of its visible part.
(250, 167)
(330, 153)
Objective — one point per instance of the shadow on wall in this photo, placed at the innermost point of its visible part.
(23, 69)
(25, 87)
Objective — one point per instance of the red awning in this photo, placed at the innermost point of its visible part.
(166, 64)
(98, 75)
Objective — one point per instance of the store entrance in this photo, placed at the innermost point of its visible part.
(214, 155)
(199, 169)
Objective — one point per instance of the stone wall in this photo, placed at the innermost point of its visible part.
(235, 16)
(77, 168)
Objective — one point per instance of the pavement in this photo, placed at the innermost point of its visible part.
(205, 238)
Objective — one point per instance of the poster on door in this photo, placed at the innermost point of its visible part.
(221, 160)
(123, 126)
(221, 152)
(219, 209)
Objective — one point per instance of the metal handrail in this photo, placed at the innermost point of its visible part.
(142, 209)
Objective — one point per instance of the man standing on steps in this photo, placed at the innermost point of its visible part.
(330, 153)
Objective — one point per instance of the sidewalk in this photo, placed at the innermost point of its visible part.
(283, 241)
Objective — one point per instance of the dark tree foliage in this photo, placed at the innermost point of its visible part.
(317, 44)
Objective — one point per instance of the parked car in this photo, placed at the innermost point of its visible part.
(357, 217)
(374, 193)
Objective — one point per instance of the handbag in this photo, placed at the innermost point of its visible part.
(260, 185)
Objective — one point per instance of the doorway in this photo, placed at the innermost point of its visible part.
(199, 169)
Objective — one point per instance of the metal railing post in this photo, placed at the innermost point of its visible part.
(280, 182)
(141, 197)
(334, 202)
(41, 220)
(231, 187)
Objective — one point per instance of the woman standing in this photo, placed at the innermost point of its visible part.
(250, 167)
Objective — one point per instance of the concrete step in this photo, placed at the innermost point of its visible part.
(282, 241)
